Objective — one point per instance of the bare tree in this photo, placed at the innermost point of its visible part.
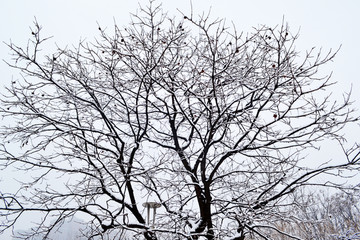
(191, 114)
(324, 216)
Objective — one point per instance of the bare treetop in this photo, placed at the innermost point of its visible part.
(209, 123)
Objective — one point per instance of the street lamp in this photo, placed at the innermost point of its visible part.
(154, 206)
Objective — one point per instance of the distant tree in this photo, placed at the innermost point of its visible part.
(191, 114)
(324, 217)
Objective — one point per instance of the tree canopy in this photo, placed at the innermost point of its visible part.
(189, 113)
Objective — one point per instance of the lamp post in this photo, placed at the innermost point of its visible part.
(154, 206)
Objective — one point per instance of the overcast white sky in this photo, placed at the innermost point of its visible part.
(323, 23)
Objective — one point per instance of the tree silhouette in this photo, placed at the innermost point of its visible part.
(191, 114)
